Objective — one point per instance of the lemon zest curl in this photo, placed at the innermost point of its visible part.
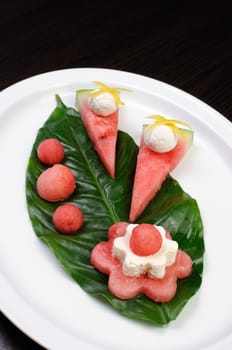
(172, 123)
(113, 91)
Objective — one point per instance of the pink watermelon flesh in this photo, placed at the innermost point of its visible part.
(126, 287)
(151, 170)
(102, 131)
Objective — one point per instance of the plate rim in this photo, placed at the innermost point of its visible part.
(213, 122)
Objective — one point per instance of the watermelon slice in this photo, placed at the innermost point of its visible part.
(152, 169)
(101, 130)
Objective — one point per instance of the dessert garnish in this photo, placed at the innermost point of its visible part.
(105, 100)
(68, 218)
(130, 274)
(162, 135)
(56, 183)
(50, 151)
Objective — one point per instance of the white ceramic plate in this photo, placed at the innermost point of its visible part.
(38, 296)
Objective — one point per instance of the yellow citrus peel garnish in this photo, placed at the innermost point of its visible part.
(160, 120)
(113, 91)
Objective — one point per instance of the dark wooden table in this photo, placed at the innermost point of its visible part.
(188, 45)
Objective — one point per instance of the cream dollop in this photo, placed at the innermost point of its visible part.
(103, 104)
(154, 265)
(160, 138)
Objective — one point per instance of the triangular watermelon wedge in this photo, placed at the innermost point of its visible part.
(102, 131)
(152, 169)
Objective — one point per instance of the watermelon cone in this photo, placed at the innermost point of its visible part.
(101, 130)
(152, 169)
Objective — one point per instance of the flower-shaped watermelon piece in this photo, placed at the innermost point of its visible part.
(127, 287)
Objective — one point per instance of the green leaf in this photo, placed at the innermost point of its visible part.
(105, 201)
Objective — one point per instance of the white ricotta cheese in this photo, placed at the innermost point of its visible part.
(154, 265)
(103, 104)
(161, 138)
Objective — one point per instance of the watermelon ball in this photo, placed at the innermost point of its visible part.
(118, 229)
(56, 183)
(145, 240)
(50, 151)
(68, 218)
